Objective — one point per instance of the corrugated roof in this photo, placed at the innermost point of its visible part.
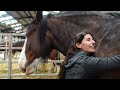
(23, 17)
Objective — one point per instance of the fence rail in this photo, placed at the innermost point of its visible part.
(33, 75)
(11, 48)
(49, 61)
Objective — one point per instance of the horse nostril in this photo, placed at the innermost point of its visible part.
(23, 70)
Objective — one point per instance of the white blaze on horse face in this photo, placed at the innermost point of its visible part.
(22, 58)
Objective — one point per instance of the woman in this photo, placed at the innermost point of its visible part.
(80, 62)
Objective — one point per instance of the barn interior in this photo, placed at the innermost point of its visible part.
(16, 23)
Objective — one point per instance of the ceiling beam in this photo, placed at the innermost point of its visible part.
(28, 15)
(1, 24)
(21, 17)
(13, 17)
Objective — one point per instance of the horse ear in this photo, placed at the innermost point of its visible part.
(38, 16)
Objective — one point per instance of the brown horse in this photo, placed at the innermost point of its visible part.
(17, 44)
(57, 32)
(14, 44)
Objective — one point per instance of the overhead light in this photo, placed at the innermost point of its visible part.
(17, 28)
(47, 12)
(8, 17)
(2, 13)
(54, 12)
(15, 25)
(2, 19)
(9, 22)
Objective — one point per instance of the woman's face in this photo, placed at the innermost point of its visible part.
(87, 44)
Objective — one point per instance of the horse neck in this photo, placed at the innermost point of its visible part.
(64, 29)
(62, 37)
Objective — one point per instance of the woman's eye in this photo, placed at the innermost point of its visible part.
(88, 39)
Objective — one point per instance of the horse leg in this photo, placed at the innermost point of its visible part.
(55, 68)
(4, 56)
(36, 69)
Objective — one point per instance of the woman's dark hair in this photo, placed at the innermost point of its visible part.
(71, 51)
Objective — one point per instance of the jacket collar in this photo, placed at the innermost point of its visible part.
(82, 53)
(78, 55)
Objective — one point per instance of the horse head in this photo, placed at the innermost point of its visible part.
(40, 49)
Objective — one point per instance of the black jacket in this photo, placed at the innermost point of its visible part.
(81, 66)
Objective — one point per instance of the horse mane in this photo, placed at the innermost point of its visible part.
(42, 30)
(43, 27)
(41, 34)
(36, 20)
